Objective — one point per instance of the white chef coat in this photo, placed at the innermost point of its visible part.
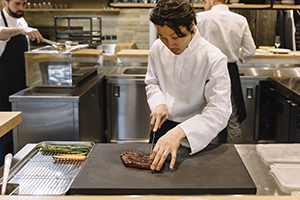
(194, 85)
(228, 31)
(12, 22)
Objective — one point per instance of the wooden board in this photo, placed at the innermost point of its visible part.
(96, 53)
(133, 53)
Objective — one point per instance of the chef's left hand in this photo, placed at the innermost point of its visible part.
(168, 143)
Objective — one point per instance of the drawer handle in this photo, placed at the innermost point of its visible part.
(249, 93)
(117, 91)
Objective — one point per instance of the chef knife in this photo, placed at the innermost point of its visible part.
(152, 145)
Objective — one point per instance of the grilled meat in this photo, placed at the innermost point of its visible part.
(136, 159)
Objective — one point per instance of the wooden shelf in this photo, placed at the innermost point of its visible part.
(232, 6)
(74, 10)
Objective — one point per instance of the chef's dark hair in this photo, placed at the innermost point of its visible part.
(174, 13)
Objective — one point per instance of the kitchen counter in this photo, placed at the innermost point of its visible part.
(292, 84)
(258, 170)
(8, 120)
(293, 57)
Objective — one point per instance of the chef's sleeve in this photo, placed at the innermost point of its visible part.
(202, 128)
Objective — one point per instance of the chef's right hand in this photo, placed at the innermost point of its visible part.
(33, 34)
(158, 117)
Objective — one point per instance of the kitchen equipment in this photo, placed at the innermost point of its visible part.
(216, 170)
(47, 67)
(7, 163)
(58, 45)
(61, 113)
(128, 113)
(89, 33)
(38, 173)
(252, 77)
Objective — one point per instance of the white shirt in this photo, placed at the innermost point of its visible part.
(194, 85)
(12, 22)
(228, 31)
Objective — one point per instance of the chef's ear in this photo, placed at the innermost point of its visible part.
(192, 25)
(4, 3)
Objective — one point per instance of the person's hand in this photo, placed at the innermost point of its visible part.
(168, 143)
(158, 117)
(33, 34)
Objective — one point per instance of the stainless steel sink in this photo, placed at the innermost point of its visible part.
(128, 72)
(135, 70)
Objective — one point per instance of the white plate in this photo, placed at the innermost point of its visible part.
(279, 50)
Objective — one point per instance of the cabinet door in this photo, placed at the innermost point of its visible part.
(129, 111)
(279, 123)
(294, 124)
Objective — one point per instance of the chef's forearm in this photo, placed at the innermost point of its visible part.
(7, 33)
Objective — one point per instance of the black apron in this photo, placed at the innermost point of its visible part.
(168, 125)
(12, 73)
(12, 68)
(236, 89)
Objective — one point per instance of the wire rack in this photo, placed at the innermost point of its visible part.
(43, 175)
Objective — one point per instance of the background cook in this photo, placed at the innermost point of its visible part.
(14, 34)
(229, 32)
(187, 84)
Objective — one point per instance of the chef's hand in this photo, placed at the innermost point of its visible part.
(33, 34)
(168, 143)
(158, 117)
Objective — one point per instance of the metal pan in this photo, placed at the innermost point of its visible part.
(38, 173)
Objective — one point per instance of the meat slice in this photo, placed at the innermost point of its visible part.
(136, 159)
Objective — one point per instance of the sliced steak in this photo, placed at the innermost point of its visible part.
(136, 159)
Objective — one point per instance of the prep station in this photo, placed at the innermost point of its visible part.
(74, 97)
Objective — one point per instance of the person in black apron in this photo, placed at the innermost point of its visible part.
(12, 70)
(229, 32)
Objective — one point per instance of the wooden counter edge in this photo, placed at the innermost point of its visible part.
(9, 120)
(151, 197)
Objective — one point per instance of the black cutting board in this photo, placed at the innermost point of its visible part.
(215, 170)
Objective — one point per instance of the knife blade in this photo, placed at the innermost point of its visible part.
(152, 145)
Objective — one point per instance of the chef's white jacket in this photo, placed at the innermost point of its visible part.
(12, 22)
(194, 85)
(228, 31)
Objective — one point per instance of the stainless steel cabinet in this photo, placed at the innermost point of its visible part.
(250, 87)
(60, 114)
(128, 113)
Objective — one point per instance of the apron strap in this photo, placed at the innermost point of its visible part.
(4, 19)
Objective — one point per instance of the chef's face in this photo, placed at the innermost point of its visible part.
(15, 8)
(169, 37)
(208, 4)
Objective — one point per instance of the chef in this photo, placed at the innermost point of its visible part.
(14, 34)
(187, 84)
(229, 32)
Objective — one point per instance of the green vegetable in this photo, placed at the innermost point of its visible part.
(67, 149)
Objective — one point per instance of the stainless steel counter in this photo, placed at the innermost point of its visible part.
(258, 170)
(62, 114)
